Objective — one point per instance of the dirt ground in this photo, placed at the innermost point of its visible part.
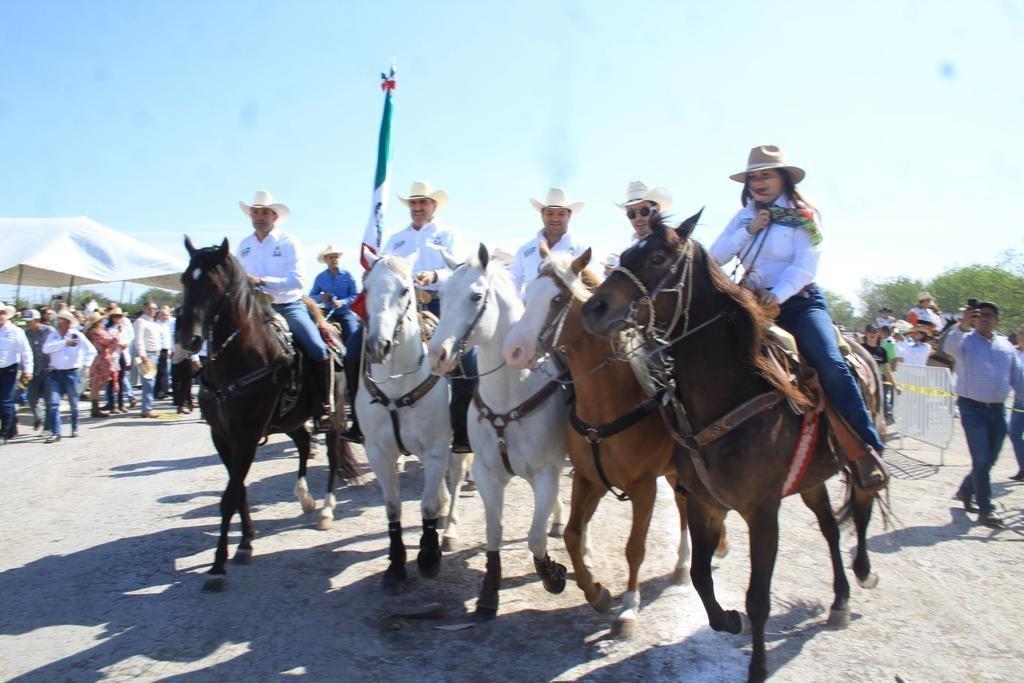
(105, 540)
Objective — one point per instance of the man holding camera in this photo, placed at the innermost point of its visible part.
(986, 370)
(69, 351)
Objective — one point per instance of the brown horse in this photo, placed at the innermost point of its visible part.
(704, 333)
(617, 442)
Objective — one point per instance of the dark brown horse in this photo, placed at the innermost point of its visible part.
(249, 372)
(704, 332)
(629, 446)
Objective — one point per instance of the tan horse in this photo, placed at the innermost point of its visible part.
(627, 446)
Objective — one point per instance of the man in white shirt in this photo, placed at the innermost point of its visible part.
(148, 338)
(69, 351)
(15, 354)
(925, 311)
(163, 366)
(274, 261)
(885, 318)
(555, 212)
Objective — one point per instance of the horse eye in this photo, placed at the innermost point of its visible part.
(477, 296)
(560, 299)
(405, 290)
(658, 259)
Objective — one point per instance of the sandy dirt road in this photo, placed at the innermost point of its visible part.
(105, 539)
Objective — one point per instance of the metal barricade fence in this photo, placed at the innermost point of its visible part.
(925, 410)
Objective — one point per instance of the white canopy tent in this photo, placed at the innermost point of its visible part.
(66, 252)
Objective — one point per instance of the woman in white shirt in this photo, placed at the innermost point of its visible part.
(775, 236)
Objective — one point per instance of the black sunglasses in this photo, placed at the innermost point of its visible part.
(643, 211)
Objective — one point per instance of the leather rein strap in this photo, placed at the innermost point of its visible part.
(404, 401)
(499, 422)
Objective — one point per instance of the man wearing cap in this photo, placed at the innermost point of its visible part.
(643, 204)
(15, 354)
(555, 213)
(273, 260)
(885, 318)
(335, 289)
(986, 370)
(37, 333)
(69, 351)
(925, 311)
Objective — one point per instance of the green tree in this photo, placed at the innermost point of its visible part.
(82, 297)
(162, 297)
(986, 283)
(899, 294)
(840, 308)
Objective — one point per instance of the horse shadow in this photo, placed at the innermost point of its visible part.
(957, 528)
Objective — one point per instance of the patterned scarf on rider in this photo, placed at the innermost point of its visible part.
(802, 219)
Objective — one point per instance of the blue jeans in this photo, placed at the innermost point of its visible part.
(303, 330)
(808, 319)
(985, 428)
(62, 382)
(37, 393)
(347, 319)
(1017, 433)
(149, 386)
(8, 388)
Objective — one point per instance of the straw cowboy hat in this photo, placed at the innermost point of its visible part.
(94, 319)
(264, 200)
(768, 156)
(926, 331)
(11, 311)
(421, 189)
(921, 296)
(69, 316)
(115, 310)
(557, 198)
(329, 249)
(637, 191)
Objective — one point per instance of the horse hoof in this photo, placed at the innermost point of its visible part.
(308, 506)
(326, 521)
(624, 628)
(681, 576)
(745, 627)
(449, 544)
(551, 573)
(557, 530)
(485, 613)
(242, 557)
(215, 584)
(554, 585)
(603, 602)
(429, 563)
(869, 581)
(838, 618)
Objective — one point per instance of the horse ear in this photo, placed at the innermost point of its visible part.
(450, 260)
(685, 228)
(485, 257)
(369, 258)
(189, 247)
(222, 250)
(581, 261)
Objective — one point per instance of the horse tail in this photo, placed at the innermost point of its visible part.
(346, 460)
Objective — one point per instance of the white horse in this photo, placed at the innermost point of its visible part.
(403, 408)
(516, 421)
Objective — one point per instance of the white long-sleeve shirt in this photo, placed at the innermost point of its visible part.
(64, 357)
(428, 243)
(126, 336)
(14, 348)
(278, 261)
(788, 261)
(148, 338)
(528, 259)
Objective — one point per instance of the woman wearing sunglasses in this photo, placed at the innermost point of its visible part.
(642, 204)
(775, 236)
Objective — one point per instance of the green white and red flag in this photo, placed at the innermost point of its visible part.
(382, 177)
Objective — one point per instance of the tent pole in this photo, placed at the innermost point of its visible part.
(17, 291)
(71, 288)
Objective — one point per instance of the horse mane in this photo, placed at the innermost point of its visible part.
(581, 286)
(748, 318)
(398, 266)
(248, 308)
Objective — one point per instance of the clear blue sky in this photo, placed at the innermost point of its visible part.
(155, 118)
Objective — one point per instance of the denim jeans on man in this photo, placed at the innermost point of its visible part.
(985, 428)
(58, 383)
(149, 386)
(37, 396)
(306, 336)
(1017, 434)
(808, 319)
(8, 411)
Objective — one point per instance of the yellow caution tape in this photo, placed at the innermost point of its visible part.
(927, 391)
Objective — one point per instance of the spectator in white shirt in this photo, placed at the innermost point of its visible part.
(69, 351)
(163, 365)
(15, 353)
(147, 354)
(120, 326)
(915, 348)
(555, 212)
(885, 318)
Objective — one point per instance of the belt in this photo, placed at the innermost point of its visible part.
(984, 404)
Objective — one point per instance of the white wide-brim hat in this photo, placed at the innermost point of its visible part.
(637, 191)
(329, 249)
(70, 317)
(768, 156)
(421, 189)
(921, 296)
(11, 311)
(557, 198)
(264, 200)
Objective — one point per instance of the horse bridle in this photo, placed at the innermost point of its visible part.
(462, 345)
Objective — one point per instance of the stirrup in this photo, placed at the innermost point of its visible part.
(872, 474)
(325, 422)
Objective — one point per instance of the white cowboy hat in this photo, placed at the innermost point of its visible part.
(421, 189)
(637, 192)
(768, 156)
(329, 249)
(70, 317)
(921, 296)
(11, 311)
(264, 200)
(557, 198)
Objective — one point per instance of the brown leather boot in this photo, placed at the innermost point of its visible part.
(872, 474)
(96, 412)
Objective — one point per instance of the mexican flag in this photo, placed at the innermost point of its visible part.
(382, 178)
